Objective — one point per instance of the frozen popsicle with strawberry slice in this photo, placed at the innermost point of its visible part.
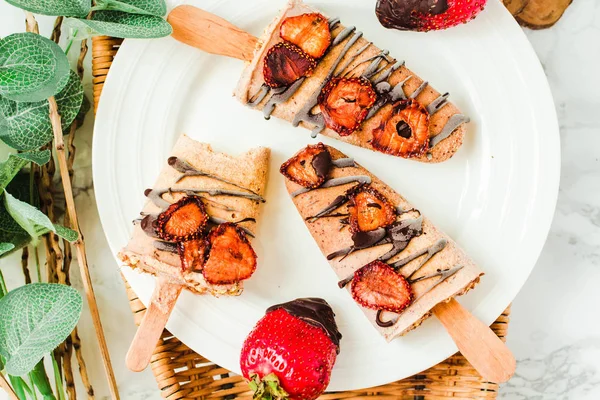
(194, 231)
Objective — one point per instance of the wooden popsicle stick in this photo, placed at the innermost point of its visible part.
(210, 33)
(157, 314)
(477, 342)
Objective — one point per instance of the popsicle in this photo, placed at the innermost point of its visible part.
(314, 72)
(396, 264)
(193, 231)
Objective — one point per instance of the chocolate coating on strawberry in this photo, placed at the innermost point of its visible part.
(285, 63)
(426, 15)
(183, 220)
(316, 312)
(345, 103)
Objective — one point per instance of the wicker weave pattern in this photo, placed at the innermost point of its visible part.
(181, 373)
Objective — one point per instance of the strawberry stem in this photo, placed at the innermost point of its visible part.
(267, 388)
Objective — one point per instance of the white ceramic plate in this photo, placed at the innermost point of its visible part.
(496, 197)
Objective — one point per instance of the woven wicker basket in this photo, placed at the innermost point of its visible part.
(182, 373)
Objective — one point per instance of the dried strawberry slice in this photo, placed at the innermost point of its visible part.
(403, 130)
(193, 254)
(310, 32)
(309, 167)
(231, 257)
(285, 63)
(369, 209)
(345, 103)
(183, 220)
(377, 286)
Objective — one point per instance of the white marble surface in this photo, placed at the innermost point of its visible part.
(555, 326)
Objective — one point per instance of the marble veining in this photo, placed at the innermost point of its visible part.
(555, 324)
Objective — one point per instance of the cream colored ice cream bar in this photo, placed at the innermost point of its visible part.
(430, 261)
(350, 54)
(231, 188)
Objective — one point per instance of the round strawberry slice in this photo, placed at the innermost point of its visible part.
(309, 167)
(231, 258)
(379, 287)
(309, 31)
(426, 15)
(403, 130)
(345, 103)
(183, 220)
(369, 209)
(291, 351)
(285, 63)
(193, 254)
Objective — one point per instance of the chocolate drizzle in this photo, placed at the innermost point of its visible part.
(189, 170)
(450, 126)
(322, 163)
(316, 312)
(336, 182)
(343, 162)
(165, 246)
(155, 195)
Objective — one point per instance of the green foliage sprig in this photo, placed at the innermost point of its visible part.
(36, 83)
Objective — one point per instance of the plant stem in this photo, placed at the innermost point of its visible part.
(80, 245)
(58, 378)
(3, 290)
(6, 386)
(41, 381)
(73, 36)
(33, 393)
(37, 263)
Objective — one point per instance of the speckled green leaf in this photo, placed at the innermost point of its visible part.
(150, 7)
(33, 220)
(69, 8)
(34, 319)
(6, 247)
(27, 126)
(10, 168)
(39, 157)
(32, 68)
(125, 25)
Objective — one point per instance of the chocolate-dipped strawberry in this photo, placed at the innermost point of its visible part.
(291, 351)
(426, 15)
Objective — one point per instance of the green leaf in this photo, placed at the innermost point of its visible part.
(33, 221)
(32, 68)
(9, 169)
(27, 125)
(10, 231)
(86, 106)
(34, 319)
(124, 25)
(150, 7)
(66, 233)
(39, 157)
(68, 8)
(6, 247)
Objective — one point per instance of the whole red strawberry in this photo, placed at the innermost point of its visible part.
(426, 15)
(290, 352)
